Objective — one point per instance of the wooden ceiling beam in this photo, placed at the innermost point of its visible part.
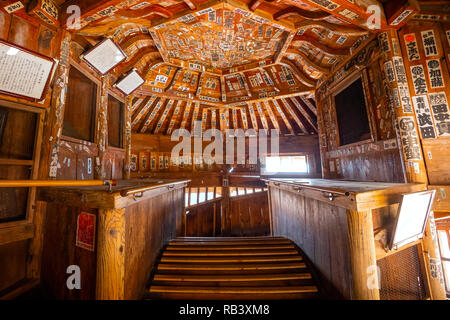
(298, 73)
(132, 40)
(300, 124)
(155, 9)
(302, 110)
(298, 12)
(309, 62)
(191, 4)
(325, 49)
(335, 28)
(150, 65)
(128, 65)
(352, 12)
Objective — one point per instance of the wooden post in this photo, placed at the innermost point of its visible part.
(102, 129)
(415, 168)
(433, 261)
(49, 152)
(127, 138)
(362, 255)
(110, 284)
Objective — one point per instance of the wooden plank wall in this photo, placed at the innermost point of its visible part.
(375, 160)
(249, 215)
(15, 262)
(154, 146)
(320, 230)
(149, 226)
(242, 216)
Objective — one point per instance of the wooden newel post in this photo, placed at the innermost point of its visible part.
(433, 262)
(110, 283)
(362, 255)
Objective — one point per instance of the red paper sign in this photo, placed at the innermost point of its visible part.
(86, 231)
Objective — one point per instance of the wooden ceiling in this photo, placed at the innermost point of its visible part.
(227, 59)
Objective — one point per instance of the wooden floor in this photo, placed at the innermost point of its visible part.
(232, 269)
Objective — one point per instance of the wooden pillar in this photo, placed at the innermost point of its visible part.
(127, 135)
(362, 255)
(49, 152)
(102, 129)
(110, 283)
(413, 162)
(433, 261)
(415, 169)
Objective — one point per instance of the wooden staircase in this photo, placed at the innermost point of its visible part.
(232, 269)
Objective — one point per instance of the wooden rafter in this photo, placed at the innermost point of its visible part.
(262, 116)
(305, 14)
(191, 4)
(155, 9)
(143, 111)
(283, 116)
(175, 115)
(163, 117)
(151, 116)
(350, 11)
(322, 47)
(298, 73)
(309, 104)
(304, 113)
(294, 116)
(307, 61)
(272, 117)
(132, 40)
(128, 65)
(335, 28)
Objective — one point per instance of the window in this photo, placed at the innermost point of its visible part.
(285, 164)
(444, 245)
(351, 113)
(197, 196)
(115, 122)
(240, 191)
(80, 110)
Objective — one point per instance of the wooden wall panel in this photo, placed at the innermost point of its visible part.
(248, 219)
(21, 31)
(382, 166)
(437, 155)
(59, 252)
(200, 220)
(240, 216)
(150, 225)
(13, 263)
(320, 230)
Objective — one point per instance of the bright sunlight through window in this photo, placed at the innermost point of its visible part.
(285, 164)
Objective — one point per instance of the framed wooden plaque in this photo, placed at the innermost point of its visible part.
(24, 74)
(129, 83)
(104, 56)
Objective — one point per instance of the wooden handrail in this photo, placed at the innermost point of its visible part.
(54, 183)
(300, 186)
(138, 192)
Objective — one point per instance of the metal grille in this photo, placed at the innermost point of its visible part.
(401, 277)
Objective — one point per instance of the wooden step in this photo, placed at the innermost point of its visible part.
(232, 268)
(237, 280)
(229, 239)
(231, 260)
(227, 243)
(229, 253)
(228, 247)
(234, 293)
(239, 268)
(232, 278)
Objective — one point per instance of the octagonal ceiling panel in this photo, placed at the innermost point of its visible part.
(220, 39)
